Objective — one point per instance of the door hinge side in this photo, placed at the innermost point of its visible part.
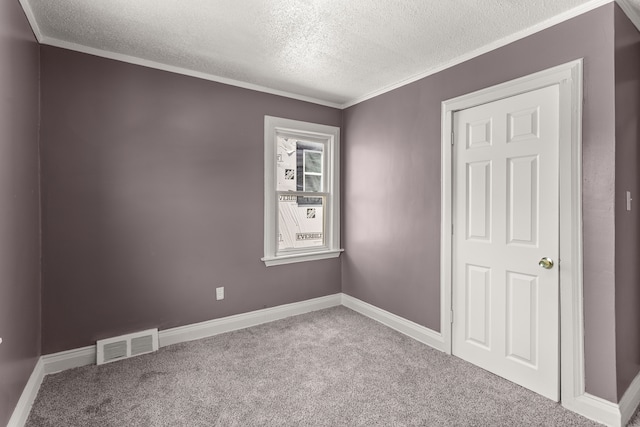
(453, 136)
(451, 317)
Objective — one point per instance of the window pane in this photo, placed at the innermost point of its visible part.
(286, 164)
(301, 222)
(313, 161)
(303, 148)
(309, 201)
(312, 182)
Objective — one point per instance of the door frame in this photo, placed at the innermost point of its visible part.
(569, 79)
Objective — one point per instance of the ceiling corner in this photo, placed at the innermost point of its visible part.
(631, 12)
(32, 19)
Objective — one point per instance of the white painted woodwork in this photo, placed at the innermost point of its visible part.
(506, 218)
(329, 137)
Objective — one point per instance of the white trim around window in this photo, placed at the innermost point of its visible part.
(329, 137)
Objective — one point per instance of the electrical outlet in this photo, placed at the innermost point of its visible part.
(219, 293)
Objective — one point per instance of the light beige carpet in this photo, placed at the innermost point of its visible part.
(328, 368)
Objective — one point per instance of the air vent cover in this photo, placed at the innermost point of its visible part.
(125, 346)
(141, 345)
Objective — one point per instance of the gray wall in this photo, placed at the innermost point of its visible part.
(19, 206)
(392, 183)
(153, 197)
(627, 63)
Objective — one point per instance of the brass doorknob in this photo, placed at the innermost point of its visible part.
(546, 263)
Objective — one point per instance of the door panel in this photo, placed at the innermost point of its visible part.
(506, 218)
(522, 200)
(479, 201)
(522, 322)
(478, 305)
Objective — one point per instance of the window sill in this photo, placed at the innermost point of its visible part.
(311, 256)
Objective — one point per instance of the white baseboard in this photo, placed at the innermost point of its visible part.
(596, 409)
(245, 320)
(605, 412)
(57, 362)
(589, 406)
(400, 324)
(29, 394)
(630, 401)
(75, 358)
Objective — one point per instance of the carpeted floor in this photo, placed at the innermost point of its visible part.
(327, 368)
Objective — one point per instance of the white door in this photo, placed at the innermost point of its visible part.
(506, 220)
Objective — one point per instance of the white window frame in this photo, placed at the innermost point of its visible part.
(330, 136)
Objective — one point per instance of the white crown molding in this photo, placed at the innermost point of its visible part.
(180, 70)
(587, 7)
(29, 394)
(413, 330)
(32, 19)
(631, 12)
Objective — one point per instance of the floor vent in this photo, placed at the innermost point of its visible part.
(125, 346)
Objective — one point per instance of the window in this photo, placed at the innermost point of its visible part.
(301, 191)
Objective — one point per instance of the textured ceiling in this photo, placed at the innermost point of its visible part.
(333, 51)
